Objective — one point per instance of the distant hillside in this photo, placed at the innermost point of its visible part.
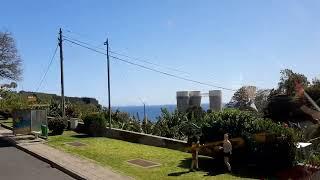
(47, 98)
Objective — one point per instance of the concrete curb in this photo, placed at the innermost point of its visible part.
(7, 127)
(44, 159)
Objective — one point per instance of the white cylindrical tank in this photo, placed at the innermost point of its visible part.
(215, 99)
(182, 100)
(195, 99)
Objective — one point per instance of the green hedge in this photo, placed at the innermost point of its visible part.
(57, 125)
(276, 153)
(95, 124)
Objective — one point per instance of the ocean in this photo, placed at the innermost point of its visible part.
(152, 111)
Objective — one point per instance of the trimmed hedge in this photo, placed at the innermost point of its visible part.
(95, 124)
(276, 153)
(57, 125)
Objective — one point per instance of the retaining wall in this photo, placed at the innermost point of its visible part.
(142, 138)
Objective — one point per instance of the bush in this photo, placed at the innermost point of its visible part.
(168, 124)
(276, 153)
(122, 120)
(57, 125)
(95, 124)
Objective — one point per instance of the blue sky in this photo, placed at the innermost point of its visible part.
(225, 43)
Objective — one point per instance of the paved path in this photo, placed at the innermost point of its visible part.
(85, 168)
(18, 165)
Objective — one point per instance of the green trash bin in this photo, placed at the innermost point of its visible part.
(44, 130)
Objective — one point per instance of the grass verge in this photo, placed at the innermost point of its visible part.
(7, 122)
(115, 154)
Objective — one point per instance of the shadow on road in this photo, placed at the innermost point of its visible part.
(4, 143)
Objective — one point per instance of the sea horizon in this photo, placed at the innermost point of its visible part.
(152, 111)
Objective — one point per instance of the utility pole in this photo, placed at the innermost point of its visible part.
(144, 113)
(61, 71)
(108, 67)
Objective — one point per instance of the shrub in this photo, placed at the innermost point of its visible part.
(95, 124)
(168, 124)
(276, 153)
(57, 125)
(122, 120)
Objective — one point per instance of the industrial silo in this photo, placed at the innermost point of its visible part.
(215, 100)
(182, 100)
(195, 99)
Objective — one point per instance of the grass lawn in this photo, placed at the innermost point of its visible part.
(114, 153)
(7, 122)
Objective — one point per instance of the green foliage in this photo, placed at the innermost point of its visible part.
(54, 109)
(314, 160)
(95, 124)
(241, 98)
(193, 113)
(232, 121)
(57, 125)
(122, 120)
(82, 110)
(168, 124)
(147, 126)
(72, 111)
(11, 100)
(280, 149)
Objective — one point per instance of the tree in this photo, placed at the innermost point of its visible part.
(289, 81)
(10, 61)
(12, 85)
(11, 100)
(244, 97)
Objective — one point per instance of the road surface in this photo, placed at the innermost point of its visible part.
(18, 165)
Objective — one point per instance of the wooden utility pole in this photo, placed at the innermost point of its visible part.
(61, 71)
(108, 67)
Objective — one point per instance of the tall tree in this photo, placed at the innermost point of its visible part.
(244, 97)
(289, 81)
(10, 61)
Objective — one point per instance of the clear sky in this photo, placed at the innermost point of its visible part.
(225, 43)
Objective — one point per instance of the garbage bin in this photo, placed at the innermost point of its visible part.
(44, 130)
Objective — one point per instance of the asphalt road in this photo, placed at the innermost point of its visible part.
(18, 165)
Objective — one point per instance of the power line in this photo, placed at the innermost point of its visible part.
(172, 75)
(134, 58)
(85, 36)
(82, 42)
(148, 68)
(49, 65)
(148, 62)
